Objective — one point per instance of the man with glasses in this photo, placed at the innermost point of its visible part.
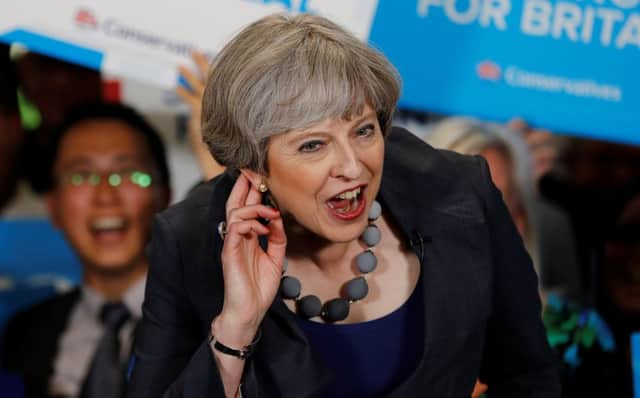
(109, 176)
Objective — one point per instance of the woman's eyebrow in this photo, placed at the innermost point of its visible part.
(298, 135)
(370, 114)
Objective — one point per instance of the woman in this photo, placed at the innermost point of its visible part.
(545, 229)
(399, 298)
(508, 163)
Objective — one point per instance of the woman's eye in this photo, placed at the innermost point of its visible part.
(366, 131)
(310, 146)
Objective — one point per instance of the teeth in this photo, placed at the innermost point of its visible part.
(349, 194)
(108, 223)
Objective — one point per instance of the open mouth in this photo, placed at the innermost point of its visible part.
(348, 205)
(111, 227)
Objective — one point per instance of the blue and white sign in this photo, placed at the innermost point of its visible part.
(635, 363)
(145, 39)
(570, 66)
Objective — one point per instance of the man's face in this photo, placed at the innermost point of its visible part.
(106, 193)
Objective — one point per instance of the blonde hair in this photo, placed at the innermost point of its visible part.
(283, 73)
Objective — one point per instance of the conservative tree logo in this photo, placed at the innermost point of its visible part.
(85, 19)
(489, 70)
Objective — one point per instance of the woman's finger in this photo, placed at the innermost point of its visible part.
(201, 63)
(238, 196)
(238, 231)
(194, 81)
(517, 124)
(188, 97)
(251, 212)
(277, 241)
(540, 137)
(254, 197)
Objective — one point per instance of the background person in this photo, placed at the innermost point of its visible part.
(108, 178)
(11, 134)
(302, 110)
(191, 93)
(609, 372)
(545, 230)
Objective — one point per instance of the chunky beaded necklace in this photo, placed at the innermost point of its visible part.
(337, 309)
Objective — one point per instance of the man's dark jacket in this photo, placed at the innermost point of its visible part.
(482, 309)
(31, 339)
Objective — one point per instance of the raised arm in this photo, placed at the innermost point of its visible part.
(173, 356)
(191, 94)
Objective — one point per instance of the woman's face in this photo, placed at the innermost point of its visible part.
(327, 176)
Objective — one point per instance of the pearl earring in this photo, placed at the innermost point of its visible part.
(263, 187)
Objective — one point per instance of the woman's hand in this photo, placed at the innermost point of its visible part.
(192, 96)
(542, 144)
(251, 275)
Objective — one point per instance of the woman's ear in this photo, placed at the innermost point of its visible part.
(255, 178)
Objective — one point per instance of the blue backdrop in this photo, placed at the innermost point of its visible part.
(571, 66)
(558, 64)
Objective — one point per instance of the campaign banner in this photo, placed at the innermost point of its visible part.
(635, 363)
(36, 263)
(144, 40)
(570, 66)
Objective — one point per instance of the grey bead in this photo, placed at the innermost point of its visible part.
(357, 289)
(371, 235)
(309, 306)
(290, 287)
(335, 310)
(366, 261)
(375, 210)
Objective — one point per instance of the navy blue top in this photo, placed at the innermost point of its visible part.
(369, 359)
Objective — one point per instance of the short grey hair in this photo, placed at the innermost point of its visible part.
(283, 73)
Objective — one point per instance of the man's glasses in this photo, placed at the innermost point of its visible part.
(137, 178)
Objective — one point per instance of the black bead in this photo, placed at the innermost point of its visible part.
(357, 289)
(335, 310)
(309, 306)
(290, 287)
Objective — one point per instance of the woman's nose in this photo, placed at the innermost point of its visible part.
(347, 164)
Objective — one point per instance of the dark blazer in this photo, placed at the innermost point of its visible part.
(30, 341)
(482, 309)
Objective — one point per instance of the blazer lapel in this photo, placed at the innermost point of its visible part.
(288, 355)
(447, 231)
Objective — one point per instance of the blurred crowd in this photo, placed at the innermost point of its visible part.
(100, 172)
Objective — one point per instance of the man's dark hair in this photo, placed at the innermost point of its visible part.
(123, 114)
(8, 82)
